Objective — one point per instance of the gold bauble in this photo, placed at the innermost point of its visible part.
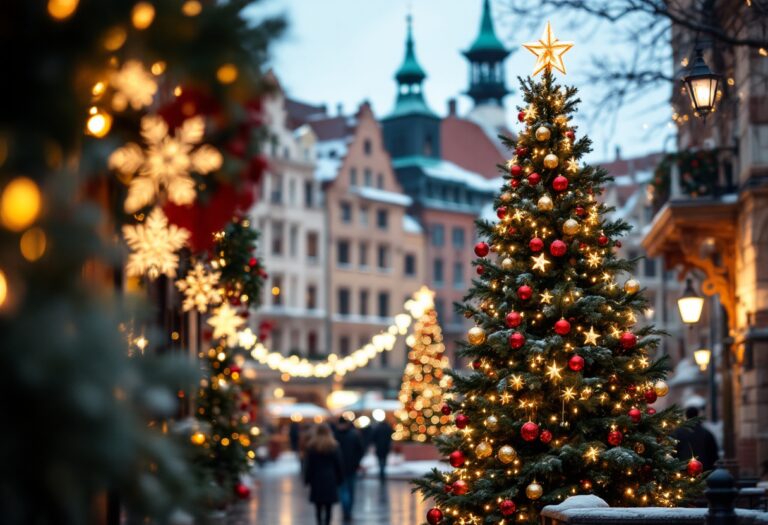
(507, 454)
(491, 422)
(661, 388)
(639, 448)
(571, 227)
(545, 203)
(506, 196)
(476, 335)
(561, 120)
(506, 264)
(483, 449)
(534, 491)
(543, 134)
(551, 161)
(632, 286)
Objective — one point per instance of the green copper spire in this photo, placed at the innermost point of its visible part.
(486, 58)
(486, 40)
(410, 75)
(410, 71)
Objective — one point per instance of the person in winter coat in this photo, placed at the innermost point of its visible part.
(323, 472)
(352, 452)
(696, 441)
(382, 442)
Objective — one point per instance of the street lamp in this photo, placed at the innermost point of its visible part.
(690, 304)
(702, 85)
(702, 357)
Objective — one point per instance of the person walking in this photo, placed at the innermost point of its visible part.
(382, 442)
(323, 472)
(352, 452)
(696, 441)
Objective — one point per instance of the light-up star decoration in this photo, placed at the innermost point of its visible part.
(549, 52)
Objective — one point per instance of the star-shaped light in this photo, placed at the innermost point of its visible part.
(615, 331)
(546, 297)
(540, 262)
(153, 245)
(518, 216)
(593, 260)
(246, 338)
(572, 165)
(516, 381)
(569, 393)
(505, 398)
(225, 322)
(591, 337)
(549, 52)
(530, 112)
(591, 454)
(553, 371)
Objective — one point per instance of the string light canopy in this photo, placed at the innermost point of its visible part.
(702, 85)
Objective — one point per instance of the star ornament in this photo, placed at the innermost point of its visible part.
(540, 262)
(549, 52)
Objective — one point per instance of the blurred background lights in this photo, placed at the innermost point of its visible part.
(19, 203)
(32, 244)
(142, 15)
(379, 415)
(62, 9)
(99, 122)
(192, 8)
(227, 73)
(3, 288)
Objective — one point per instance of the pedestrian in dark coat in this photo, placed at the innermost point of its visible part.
(696, 441)
(323, 472)
(382, 442)
(352, 451)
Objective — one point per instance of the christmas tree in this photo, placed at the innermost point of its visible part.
(558, 399)
(423, 414)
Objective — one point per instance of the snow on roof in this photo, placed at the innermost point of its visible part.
(644, 176)
(449, 172)
(375, 194)
(411, 225)
(326, 169)
(686, 372)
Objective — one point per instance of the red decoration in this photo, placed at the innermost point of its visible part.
(482, 249)
(479, 269)
(242, 491)
(560, 183)
(460, 487)
(545, 437)
(529, 431)
(524, 292)
(434, 516)
(457, 458)
(501, 212)
(534, 178)
(515, 170)
(628, 340)
(562, 327)
(650, 410)
(446, 410)
(631, 389)
(521, 151)
(580, 211)
(602, 240)
(516, 340)
(507, 507)
(476, 364)
(695, 467)
(635, 415)
(521, 116)
(617, 244)
(253, 261)
(513, 319)
(576, 363)
(570, 134)
(615, 438)
(650, 396)
(462, 420)
(514, 183)
(558, 248)
(448, 488)
(536, 245)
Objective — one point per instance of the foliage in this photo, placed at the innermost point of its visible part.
(697, 170)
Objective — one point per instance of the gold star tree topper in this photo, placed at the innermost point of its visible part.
(549, 52)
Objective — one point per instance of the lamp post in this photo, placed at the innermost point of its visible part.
(690, 305)
(701, 84)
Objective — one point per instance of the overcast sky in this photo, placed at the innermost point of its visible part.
(346, 51)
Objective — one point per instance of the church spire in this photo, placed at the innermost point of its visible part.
(409, 76)
(486, 57)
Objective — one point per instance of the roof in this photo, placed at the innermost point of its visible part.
(487, 42)
(411, 225)
(300, 112)
(376, 194)
(471, 146)
(329, 128)
(410, 70)
(449, 172)
(410, 104)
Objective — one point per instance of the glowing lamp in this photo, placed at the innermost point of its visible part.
(702, 85)
(702, 357)
(690, 304)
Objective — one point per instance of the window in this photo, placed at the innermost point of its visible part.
(384, 359)
(367, 178)
(410, 264)
(363, 255)
(312, 344)
(380, 181)
(344, 301)
(364, 215)
(277, 340)
(277, 290)
(312, 246)
(309, 194)
(342, 253)
(293, 241)
(367, 146)
(277, 238)
(311, 297)
(292, 192)
(276, 196)
(650, 267)
(458, 275)
(346, 212)
(353, 176)
(438, 235)
(383, 257)
(383, 304)
(457, 236)
(437, 272)
(382, 219)
(364, 302)
(439, 308)
(344, 345)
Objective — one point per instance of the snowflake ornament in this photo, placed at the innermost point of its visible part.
(154, 245)
(134, 86)
(200, 288)
(225, 322)
(166, 163)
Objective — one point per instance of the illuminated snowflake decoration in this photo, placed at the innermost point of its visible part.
(226, 322)
(154, 245)
(134, 86)
(200, 288)
(166, 163)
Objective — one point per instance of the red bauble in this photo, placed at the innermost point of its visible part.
(615, 437)
(482, 249)
(536, 245)
(479, 269)
(515, 170)
(434, 516)
(501, 212)
(460, 487)
(521, 116)
(476, 364)
(635, 415)
(524, 292)
(545, 437)
(576, 363)
(570, 134)
(580, 211)
(516, 340)
(448, 488)
(534, 178)
(253, 261)
(462, 420)
(558, 248)
(631, 389)
(242, 491)
(628, 340)
(514, 183)
(507, 507)
(446, 410)
(650, 410)
(521, 151)
(529, 431)
(602, 240)
(562, 327)
(617, 244)
(650, 396)
(513, 319)
(457, 458)
(560, 183)
(695, 467)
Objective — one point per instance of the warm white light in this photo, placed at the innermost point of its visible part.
(690, 304)
(278, 393)
(379, 415)
(702, 357)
